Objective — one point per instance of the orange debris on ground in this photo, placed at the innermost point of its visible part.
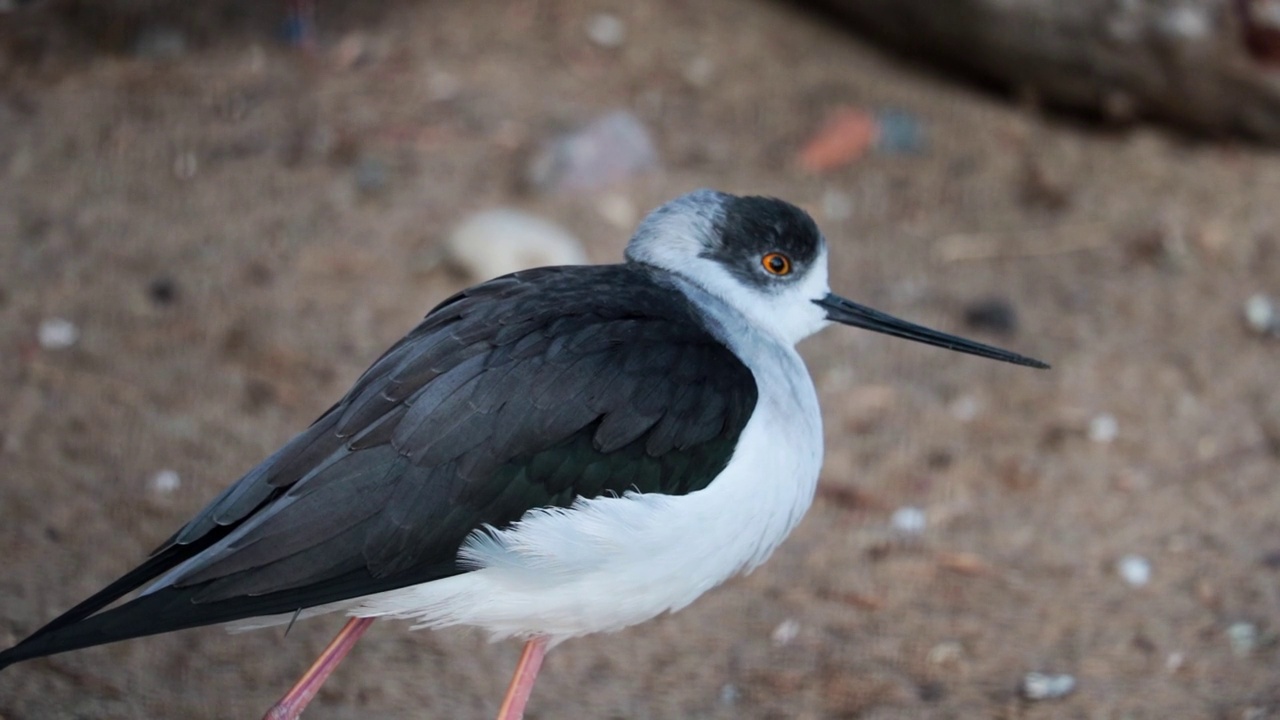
(846, 136)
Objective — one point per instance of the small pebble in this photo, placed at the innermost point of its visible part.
(1243, 637)
(1134, 569)
(502, 241)
(946, 653)
(607, 31)
(618, 210)
(371, 176)
(909, 520)
(931, 692)
(1042, 686)
(1103, 428)
(1185, 22)
(992, 314)
(1269, 420)
(1042, 189)
(162, 291)
(443, 86)
(165, 482)
(351, 51)
(1174, 662)
(604, 152)
(786, 631)
(159, 42)
(965, 408)
(729, 694)
(898, 131)
(1125, 23)
(1271, 560)
(186, 165)
(700, 71)
(57, 334)
(1260, 315)
(1266, 13)
(939, 459)
(836, 206)
(257, 59)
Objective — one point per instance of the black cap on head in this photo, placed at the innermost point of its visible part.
(751, 227)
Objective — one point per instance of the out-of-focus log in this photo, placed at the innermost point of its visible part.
(1211, 66)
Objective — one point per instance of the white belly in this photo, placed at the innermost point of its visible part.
(611, 562)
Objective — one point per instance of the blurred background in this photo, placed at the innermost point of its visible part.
(213, 216)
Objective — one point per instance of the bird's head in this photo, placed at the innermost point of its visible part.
(767, 258)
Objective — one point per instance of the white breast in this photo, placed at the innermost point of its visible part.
(610, 562)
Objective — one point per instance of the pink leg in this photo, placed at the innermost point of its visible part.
(295, 701)
(522, 682)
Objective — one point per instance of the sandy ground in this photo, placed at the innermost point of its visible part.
(202, 223)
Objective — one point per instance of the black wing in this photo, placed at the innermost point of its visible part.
(526, 391)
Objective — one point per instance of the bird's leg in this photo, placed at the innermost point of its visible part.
(295, 701)
(522, 682)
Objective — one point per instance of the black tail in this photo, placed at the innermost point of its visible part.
(134, 579)
(149, 570)
(174, 608)
(80, 628)
(163, 611)
(73, 630)
(165, 558)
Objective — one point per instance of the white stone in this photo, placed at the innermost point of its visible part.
(946, 653)
(909, 520)
(1134, 569)
(1260, 314)
(965, 408)
(165, 482)
(57, 334)
(1043, 686)
(786, 631)
(1243, 637)
(606, 30)
(618, 210)
(1103, 428)
(503, 240)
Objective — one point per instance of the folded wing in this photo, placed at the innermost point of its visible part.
(528, 391)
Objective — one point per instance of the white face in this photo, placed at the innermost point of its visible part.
(787, 312)
(684, 238)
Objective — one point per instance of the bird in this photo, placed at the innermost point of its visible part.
(549, 454)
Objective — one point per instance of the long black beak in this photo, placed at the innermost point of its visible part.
(851, 313)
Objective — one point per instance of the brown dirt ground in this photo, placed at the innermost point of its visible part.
(1128, 256)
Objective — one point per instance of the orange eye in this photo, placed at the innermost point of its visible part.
(776, 263)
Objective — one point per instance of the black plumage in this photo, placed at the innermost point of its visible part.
(527, 391)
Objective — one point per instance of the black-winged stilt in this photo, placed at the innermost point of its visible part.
(548, 454)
